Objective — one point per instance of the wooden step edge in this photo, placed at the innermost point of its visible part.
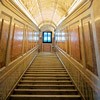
(55, 78)
(66, 90)
(45, 81)
(46, 85)
(47, 67)
(47, 96)
(46, 73)
(56, 68)
(42, 70)
(47, 77)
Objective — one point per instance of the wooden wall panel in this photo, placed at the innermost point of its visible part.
(28, 35)
(17, 41)
(89, 46)
(63, 41)
(40, 44)
(72, 34)
(25, 42)
(47, 47)
(64, 46)
(3, 41)
(0, 26)
(30, 38)
(97, 23)
(75, 43)
(33, 42)
(67, 41)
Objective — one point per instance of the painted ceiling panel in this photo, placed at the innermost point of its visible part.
(47, 10)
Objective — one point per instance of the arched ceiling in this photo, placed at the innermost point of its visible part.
(47, 11)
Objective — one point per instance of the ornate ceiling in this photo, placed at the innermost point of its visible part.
(47, 11)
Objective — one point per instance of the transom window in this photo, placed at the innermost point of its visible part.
(47, 37)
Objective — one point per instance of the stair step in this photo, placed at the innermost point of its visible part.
(46, 73)
(34, 68)
(44, 61)
(45, 82)
(45, 78)
(27, 86)
(45, 97)
(44, 70)
(47, 65)
(41, 75)
(45, 91)
(48, 68)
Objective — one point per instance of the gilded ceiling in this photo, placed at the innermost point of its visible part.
(47, 11)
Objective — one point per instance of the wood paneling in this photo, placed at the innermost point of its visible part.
(97, 23)
(67, 41)
(75, 43)
(63, 47)
(47, 47)
(17, 40)
(3, 41)
(25, 42)
(87, 41)
(33, 39)
(89, 46)
(30, 39)
(64, 41)
(96, 14)
(0, 26)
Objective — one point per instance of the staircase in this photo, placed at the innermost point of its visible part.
(45, 79)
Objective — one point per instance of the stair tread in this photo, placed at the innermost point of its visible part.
(48, 77)
(45, 68)
(71, 96)
(47, 72)
(44, 85)
(43, 81)
(45, 89)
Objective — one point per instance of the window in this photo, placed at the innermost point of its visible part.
(47, 37)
